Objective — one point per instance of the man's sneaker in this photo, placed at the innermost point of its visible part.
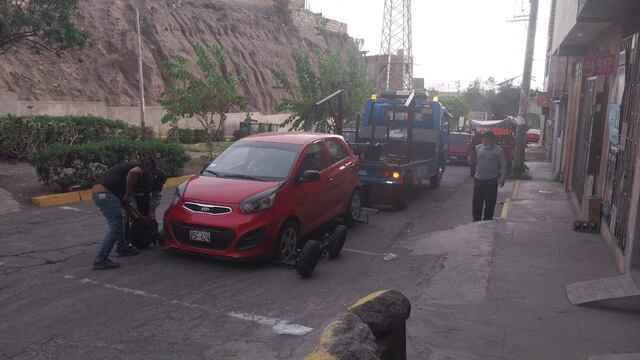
(128, 251)
(105, 264)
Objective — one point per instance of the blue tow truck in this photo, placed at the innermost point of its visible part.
(402, 142)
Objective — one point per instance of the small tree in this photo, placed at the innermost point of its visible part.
(39, 25)
(333, 74)
(207, 96)
(283, 11)
(458, 107)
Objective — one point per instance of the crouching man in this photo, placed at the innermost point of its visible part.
(112, 193)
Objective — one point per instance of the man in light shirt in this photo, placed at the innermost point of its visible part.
(490, 172)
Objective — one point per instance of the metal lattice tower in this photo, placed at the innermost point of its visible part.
(396, 63)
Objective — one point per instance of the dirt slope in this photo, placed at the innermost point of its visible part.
(107, 69)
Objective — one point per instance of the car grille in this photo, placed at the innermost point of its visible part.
(207, 209)
(221, 238)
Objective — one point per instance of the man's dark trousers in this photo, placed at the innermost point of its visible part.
(485, 194)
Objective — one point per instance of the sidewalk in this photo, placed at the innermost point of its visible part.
(501, 293)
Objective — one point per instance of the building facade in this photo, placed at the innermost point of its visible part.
(593, 119)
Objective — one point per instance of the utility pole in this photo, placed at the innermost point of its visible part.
(141, 78)
(525, 88)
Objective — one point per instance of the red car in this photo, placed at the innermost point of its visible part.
(459, 146)
(263, 195)
(533, 136)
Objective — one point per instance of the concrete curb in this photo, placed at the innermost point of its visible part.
(85, 195)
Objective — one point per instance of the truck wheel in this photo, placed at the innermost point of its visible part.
(436, 179)
(308, 259)
(337, 240)
(355, 207)
(403, 194)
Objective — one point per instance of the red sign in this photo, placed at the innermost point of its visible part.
(544, 99)
(600, 64)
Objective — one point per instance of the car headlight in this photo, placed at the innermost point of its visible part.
(259, 202)
(179, 193)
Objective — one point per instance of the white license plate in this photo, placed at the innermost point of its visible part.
(362, 172)
(200, 236)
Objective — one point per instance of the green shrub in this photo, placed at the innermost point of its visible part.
(20, 136)
(69, 166)
(188, 136)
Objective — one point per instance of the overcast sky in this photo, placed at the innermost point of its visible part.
(453, 40)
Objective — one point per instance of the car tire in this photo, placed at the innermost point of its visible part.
(352, 214)
(309, 258)
(337, 240)
(286, 250)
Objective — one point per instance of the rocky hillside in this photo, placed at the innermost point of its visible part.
(107, 69)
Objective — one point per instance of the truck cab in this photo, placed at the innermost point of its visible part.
(402, 142)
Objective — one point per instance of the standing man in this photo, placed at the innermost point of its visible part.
(490, 171)
(113, 193)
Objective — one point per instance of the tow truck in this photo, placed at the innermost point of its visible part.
(402, 142)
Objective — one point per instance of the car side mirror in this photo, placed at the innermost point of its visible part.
(309, 176)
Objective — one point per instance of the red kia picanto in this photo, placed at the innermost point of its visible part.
(263, 194)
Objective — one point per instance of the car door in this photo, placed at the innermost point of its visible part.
(340, 174)
(313, 202)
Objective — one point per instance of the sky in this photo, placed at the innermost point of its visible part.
(453, 40)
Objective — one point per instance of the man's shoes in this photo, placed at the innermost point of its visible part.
(105, 264)
(127, 251)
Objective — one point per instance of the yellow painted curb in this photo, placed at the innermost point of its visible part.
(507, 203)
(85, 195)
(366, 299)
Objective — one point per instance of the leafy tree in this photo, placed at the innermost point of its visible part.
(458, 107)
(39, 25)
(504, 101)
(207, 96)
(333, 74)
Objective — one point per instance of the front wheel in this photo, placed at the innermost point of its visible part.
(287, 246)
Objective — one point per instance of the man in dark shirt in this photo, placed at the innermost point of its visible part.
(112, 193)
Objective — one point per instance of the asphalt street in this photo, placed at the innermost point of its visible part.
(164, 305)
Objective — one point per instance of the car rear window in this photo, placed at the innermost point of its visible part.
(256, 159)
(458, 139)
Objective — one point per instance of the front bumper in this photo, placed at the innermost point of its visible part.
(232, 236)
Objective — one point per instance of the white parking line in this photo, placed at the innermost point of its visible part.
(384, 256)
(70, 208)
(279, 326)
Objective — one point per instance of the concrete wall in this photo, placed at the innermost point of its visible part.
(9, 104)
(565, 20)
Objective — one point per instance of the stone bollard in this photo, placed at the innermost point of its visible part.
(386, 313)
(347, 338)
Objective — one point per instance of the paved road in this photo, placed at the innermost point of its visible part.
(162, 305)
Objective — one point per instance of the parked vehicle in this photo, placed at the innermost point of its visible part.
(533, 136)
(459, 147)
(402, 142)
(504, 130)
(263, 195)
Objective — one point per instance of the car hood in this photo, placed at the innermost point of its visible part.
(216, 190)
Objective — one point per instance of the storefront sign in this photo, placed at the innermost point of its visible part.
(600, 64)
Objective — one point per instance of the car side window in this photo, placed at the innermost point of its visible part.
(337, 151)
(314, 158)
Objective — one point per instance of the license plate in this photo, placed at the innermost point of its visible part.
(362, 172)
(200, 236)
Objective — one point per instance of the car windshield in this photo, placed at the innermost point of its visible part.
(255, 160)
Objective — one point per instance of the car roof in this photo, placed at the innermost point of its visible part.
(298, 138)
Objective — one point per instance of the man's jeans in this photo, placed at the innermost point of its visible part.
(111, 208)
(485, 194)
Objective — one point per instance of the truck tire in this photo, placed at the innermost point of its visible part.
(403, 194)
(436, 179)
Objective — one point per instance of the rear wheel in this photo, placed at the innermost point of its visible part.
(287, 246)
(403, 194)
(436, 179)
(355, 207)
